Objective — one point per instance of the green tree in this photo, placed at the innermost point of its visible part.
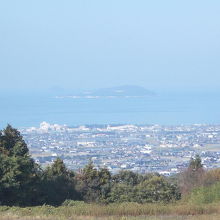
(150, 190)
(57, 184)
(126, 177)
(12, 143)
(93, 184)
(193, 176)
(195, 163)
(18, 172)
(121, 192)
(156, 189)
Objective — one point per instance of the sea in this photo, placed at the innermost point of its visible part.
(27, 110)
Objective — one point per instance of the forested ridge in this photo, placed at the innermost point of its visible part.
(24, 183)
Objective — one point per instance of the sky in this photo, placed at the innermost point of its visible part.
(95, 44)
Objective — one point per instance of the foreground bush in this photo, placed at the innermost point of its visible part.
(205, 195)
(154, 190)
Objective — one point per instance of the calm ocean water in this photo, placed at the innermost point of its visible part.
(23, 111)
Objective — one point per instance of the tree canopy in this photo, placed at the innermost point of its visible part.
(25, 183)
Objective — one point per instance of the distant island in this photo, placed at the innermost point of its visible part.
(128, 91)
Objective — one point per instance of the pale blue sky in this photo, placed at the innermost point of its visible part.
(94, 44)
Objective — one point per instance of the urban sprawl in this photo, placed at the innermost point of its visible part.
(140, 148)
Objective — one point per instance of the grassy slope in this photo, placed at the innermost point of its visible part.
(125, 211)
(204, 217)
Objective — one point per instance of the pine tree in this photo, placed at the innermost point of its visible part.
(58, 184)
(18, 172)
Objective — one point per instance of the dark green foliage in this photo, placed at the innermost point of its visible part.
(93, 184)
(18, 172)
(12, 143)
(154, 189)
(195, 163)
(126, 177)
(24, 183)
(57, 184)
(121, 192)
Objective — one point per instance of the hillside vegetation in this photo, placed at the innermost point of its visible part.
(57, 192)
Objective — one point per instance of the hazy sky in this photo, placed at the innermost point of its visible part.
(93, 44)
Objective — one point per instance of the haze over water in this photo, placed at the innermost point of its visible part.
(168, 109)
(159, 45)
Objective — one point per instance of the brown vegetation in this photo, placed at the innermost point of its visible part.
(112, 211)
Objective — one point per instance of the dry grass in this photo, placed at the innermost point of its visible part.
(197, 217)
(124, 211)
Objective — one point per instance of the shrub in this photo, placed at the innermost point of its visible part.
(69, 202)
(205, 195)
